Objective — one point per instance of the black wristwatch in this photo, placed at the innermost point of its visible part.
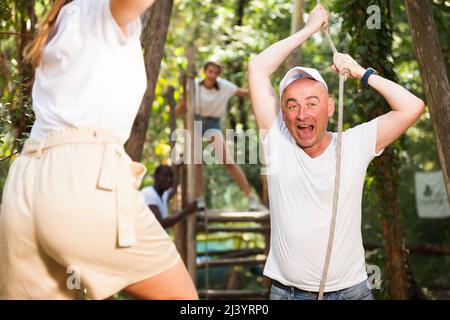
(366, 76)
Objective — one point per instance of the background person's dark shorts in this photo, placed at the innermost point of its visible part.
(208, 122)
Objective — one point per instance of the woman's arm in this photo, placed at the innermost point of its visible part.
(265, 101)
(126, 11)
(181, 106)
(241, 92)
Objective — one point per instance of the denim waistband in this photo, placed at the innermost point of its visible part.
(197, 116)
(285, 287)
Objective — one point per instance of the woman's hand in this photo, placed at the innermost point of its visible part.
(346, 62)
(181, 105)
(191, 207)
(318, 17)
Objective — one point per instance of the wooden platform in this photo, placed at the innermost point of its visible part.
(234, 253)
(252, 261)
(220, 215)
(255, 229)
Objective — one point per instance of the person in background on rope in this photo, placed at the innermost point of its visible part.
(300, 157)
(72, 217)
(210, 104)
(158, 196)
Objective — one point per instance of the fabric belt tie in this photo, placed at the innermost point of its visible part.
(115, 162)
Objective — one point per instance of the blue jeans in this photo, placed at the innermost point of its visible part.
(361, 291)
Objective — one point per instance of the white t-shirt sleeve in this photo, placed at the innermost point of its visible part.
(165, 196)
(66, 38)
(229, 88)
(272, 143)
(267, 136)
(364, 138)
(80, 17)
(149, 196)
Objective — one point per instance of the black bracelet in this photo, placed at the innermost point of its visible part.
(366, 76)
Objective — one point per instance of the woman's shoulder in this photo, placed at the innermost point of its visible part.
(228, 85)
(87, 4)
(83, 10)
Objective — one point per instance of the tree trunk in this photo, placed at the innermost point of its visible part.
(238, 66)
(391, 224)
(434, 77)
(385, 168)
(26, 71)
(155, 26)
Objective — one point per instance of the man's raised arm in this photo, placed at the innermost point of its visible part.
(406, 107)
(265, 101)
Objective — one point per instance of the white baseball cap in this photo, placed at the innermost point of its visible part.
(299, 73)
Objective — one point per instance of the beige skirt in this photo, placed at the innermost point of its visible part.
(72, 218)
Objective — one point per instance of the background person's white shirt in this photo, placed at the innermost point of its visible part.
(213, 102)
(90, 74)
(301, 195)
(152, 197)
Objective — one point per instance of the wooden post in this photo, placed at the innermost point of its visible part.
(173, 119)
(155, 22)
(190, 166)
(297, 23)
(434, 77)
(179, 229)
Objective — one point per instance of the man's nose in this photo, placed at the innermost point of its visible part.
(302, 113)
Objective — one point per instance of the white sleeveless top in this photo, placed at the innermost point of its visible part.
(91, 75)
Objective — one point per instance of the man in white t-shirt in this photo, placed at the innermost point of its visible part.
(300, 158)
(210, 105)
(157, 196)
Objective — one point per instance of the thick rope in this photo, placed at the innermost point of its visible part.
(343, 75)
(206, 256)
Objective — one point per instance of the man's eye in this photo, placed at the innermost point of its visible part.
(292, 107)
(311, 105)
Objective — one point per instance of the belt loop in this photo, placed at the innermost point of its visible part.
(96, 135)
(40, 148)
(108, 171)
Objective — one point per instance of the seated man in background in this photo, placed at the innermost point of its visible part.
(158, 196)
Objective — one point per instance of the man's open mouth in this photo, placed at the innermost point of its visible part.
(305, 129)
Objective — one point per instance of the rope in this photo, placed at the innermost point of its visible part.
(205, 221)
(343, 75)
(198, 107)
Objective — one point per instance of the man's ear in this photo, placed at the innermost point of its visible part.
(283, 111)
(330, 106)
(281, 105)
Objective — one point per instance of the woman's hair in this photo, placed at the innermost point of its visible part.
(33, 50)
(213, 64)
